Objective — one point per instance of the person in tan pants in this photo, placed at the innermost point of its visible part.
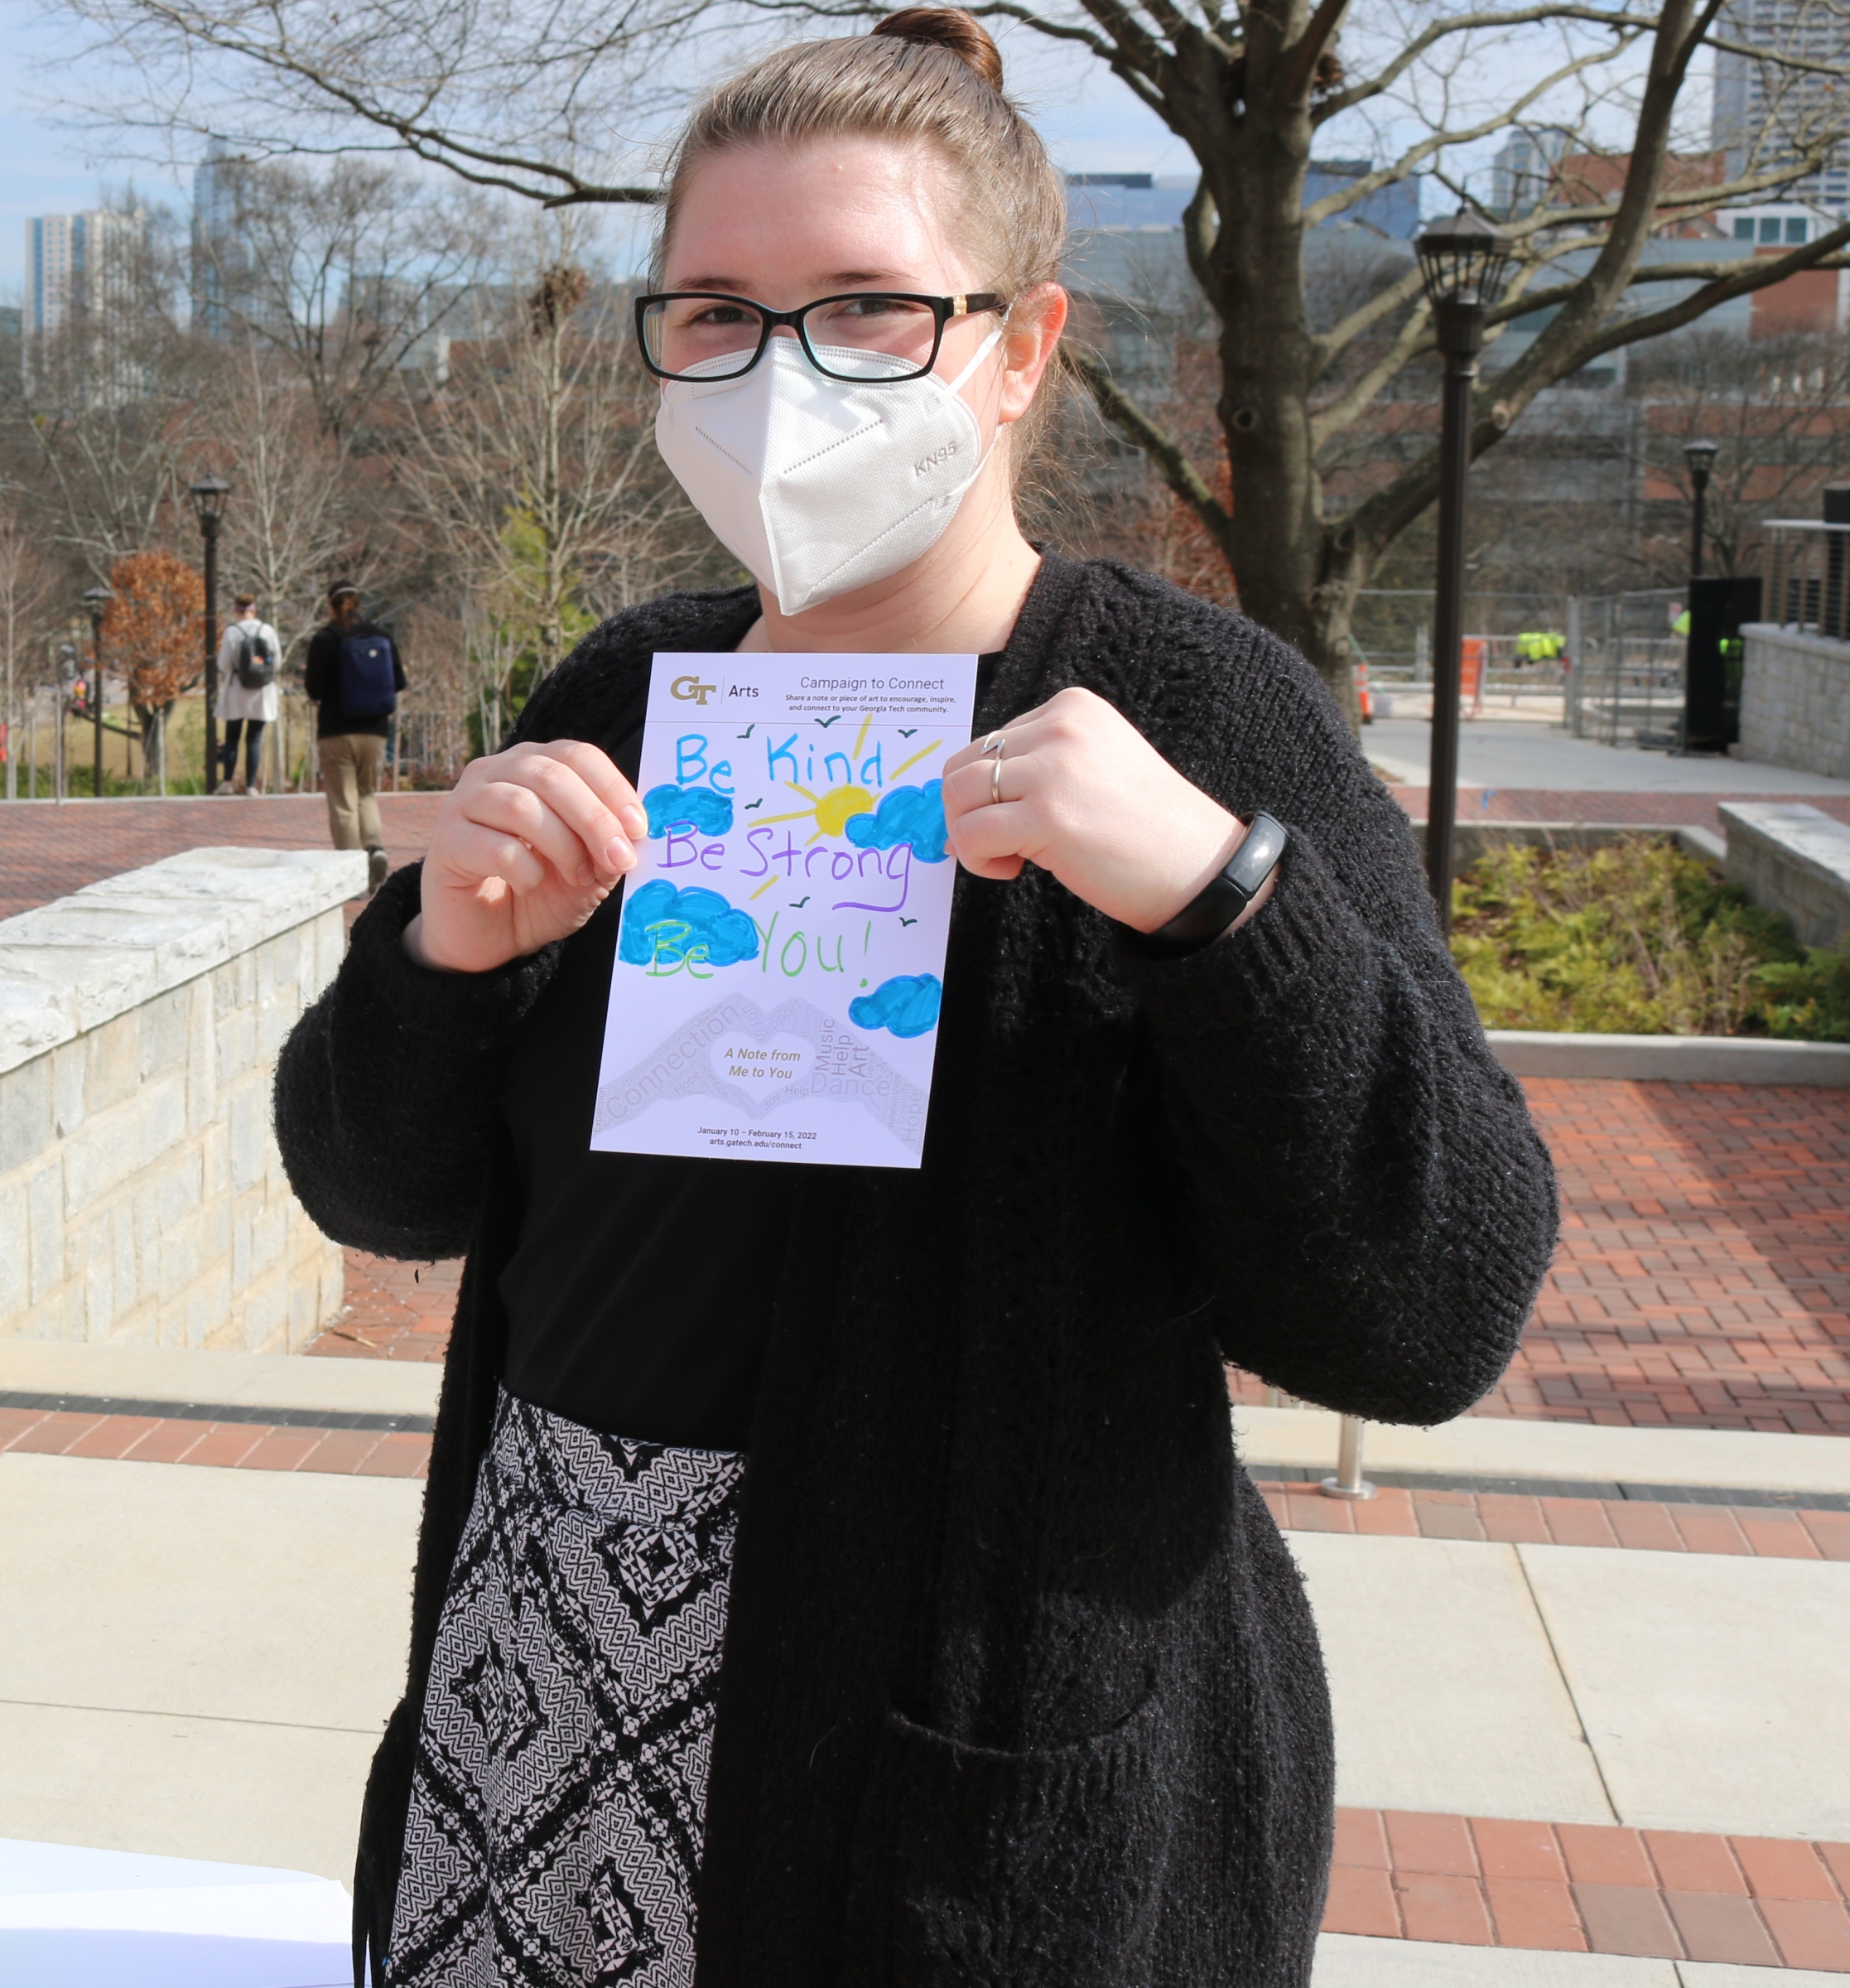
(354, 673)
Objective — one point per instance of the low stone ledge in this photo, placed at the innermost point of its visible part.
(1793, 858)
(75, 963)
(1672, 1059)
(1795, 700)
(143, 1201)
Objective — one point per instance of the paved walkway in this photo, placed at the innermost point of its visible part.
(48, 849)
(1666, 810)
(1590, 1741)
(1523, 757)
(1702, 1280)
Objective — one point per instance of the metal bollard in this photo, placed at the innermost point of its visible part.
(1348, 1481)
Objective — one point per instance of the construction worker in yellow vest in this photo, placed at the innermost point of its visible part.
(1536, 647)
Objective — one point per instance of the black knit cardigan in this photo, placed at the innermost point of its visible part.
(1020, 1688)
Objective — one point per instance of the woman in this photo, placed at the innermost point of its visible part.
(862, 1555)
(242, 705)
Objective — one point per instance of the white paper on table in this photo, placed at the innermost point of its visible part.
(780, 961)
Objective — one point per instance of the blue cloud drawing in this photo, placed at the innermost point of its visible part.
(905, 814)
(661, 922)
(907, 1004)
(696, 808)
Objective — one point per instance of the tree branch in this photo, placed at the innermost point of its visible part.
(1293, 77)
(1136, 426)
(1460, 24)
(1361, 188)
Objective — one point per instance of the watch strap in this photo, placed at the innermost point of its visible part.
(1208, 915)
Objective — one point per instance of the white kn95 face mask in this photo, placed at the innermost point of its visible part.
(817, 485)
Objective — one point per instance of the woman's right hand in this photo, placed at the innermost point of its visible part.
(529, 842)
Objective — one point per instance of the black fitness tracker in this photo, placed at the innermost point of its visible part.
(1207, 916)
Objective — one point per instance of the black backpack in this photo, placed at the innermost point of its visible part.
(256, 666)
(369, 681)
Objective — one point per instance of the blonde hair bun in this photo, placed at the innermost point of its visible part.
(951, 28)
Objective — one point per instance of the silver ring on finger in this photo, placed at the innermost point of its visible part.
(995, 779)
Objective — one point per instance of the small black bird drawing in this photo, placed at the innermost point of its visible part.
(909, 921)
(758, 803)
(747, 732)
(825, 723)
(905, 733)
(799, 904)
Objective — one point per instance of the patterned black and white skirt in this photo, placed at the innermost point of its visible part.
(555, 1829)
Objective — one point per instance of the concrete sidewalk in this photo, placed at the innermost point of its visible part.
(197, 1662)
(1494, 752)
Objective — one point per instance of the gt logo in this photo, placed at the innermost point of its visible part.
(690, 690)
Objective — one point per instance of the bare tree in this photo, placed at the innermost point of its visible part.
(347, 274)
(30, 583)
(528, 101)
(299, 512)
(536, 464)
(113, 401)
(1781, 409)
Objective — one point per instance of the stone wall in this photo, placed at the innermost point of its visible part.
(1795, 701)
(1795, 858)
(142, 1199)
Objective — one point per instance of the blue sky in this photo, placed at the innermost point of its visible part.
(43, 169)
(1091, 122)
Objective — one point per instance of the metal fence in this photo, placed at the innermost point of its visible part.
(1626, 685)
(1392, 631)
(1619, 676)
(1808, 588)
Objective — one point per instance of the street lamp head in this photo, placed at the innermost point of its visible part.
(1463, 261)
(96, 599)
(209, 495)
(1700, 455)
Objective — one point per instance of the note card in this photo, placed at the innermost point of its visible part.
(780, 961)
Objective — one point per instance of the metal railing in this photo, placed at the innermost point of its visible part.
(1809, 580)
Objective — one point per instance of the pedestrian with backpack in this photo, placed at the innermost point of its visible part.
(354, 674)
(248, 653)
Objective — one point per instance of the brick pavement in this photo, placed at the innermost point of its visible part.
(49, 849)
(1648, 810)
(394, 1312)
(399, 1446)
(1581, 1888)
(1763, 1532)
(1702, 1280)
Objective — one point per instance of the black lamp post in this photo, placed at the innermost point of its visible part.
(96, 605)
(1463, 263)
(1700, 455)
(209, 495)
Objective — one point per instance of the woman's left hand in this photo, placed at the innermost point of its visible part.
(1086, 796)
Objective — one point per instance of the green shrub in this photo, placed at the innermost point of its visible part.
(1637, 938)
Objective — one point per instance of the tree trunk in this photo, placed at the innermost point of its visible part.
(1294, 575)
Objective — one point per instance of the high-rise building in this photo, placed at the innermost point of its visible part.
(1767, 114)
(80, 265)
(223, 297)
(1522, 173)
(84, 278)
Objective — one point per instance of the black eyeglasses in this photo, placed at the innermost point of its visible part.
(865, 334)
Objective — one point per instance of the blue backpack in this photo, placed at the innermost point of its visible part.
(369, 685)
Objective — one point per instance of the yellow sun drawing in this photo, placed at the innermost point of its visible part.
(833, 810)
